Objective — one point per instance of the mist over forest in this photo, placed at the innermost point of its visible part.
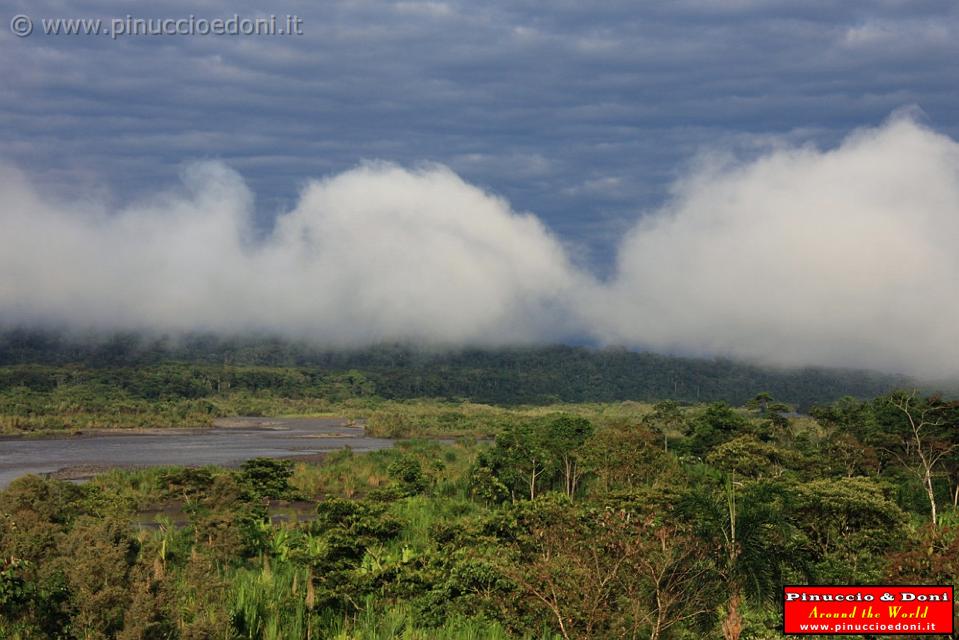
(518, 375)
(795, 256)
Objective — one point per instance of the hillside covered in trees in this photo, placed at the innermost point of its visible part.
(530, 375)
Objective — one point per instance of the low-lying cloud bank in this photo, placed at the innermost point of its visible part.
(376, 253)
(846, 257)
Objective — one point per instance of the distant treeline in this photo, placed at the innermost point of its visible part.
(526, 375)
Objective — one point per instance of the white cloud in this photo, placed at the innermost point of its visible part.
(374, 253)
(843, 257)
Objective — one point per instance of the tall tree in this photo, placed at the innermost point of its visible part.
(566, 437)
(752, 540)
(518, 460)
(667, 417)
(927, 445)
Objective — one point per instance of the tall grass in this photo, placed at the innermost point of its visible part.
(270, 604)
(345, 474)
(419, 513)
(399, 623)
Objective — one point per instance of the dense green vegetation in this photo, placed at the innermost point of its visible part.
(43, 398)
(78, 388)
(539, 375)
(596, 521)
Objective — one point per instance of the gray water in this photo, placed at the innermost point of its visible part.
(229, 444)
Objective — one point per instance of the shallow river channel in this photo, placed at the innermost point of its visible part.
(229, 443)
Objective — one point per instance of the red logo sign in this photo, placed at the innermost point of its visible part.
(872, 610)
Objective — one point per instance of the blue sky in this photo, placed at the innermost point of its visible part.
(583, 113)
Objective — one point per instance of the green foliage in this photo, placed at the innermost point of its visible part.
(271, 604)
(623, 458)
(849, 524)
(189, 484)
(408, 473)
(529, 458)
(518, 460)
(755, 546)
(14, 593)
(574, 521)
(267, 478)
(713, 426)
(746, 456)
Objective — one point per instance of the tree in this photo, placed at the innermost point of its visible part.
(754, 544)
(336, 543)
(666, 417)
(187, 483)
(746, 456)
(565, 437)
(760, 402)
(97, 556)
(951, 464)
(847, 525)
(266, 478)
(668, 574)
(14, 590)
(518, 459)
(626, 457)
(928, 444)
(716, 424)
(932, 557)
(607, 573)
(407, 471)
(843, 453)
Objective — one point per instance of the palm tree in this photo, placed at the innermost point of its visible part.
(752, 542)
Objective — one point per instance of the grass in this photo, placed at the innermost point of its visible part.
(399, 623)
(271, 604)
(419, 513)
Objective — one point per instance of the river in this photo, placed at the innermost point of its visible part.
(228, 443)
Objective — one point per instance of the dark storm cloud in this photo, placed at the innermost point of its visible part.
(581, 112)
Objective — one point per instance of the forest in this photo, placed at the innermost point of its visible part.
(646, 520)
(139, 362)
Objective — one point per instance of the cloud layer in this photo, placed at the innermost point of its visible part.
(376, 253)
(843, 257)
(578, 111)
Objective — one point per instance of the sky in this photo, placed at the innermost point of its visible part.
(694, 177)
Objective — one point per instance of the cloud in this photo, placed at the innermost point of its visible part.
(794, 256)
(843, 257)
(617, 88)
(371, 254)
